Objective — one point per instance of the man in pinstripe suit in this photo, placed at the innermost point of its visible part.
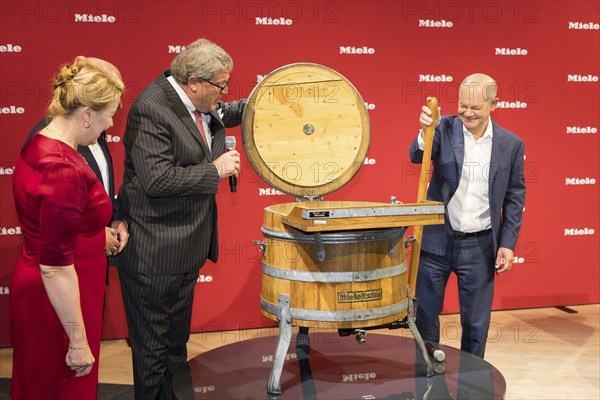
(479, 175)
(174, 159)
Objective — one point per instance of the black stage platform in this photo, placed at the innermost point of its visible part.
(384, 367)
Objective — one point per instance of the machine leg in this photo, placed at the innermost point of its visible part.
(302, 351)
(413, 329)
(284, 315)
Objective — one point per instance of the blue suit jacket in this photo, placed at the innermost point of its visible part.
(506, 182)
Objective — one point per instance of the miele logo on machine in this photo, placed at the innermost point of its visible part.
(4, 231)
(176, 48)
(4, 290)
(356, 50)
(505, 51)
(511, 104)
(12, 110)
(584, 25)
(95, 18)
(579, 231)
(581, 130)
(269, 192)
(273, 21)
(431, 23)
(359, 377)
(580, 181)
(582, 78)
(435, 78)
(270, 358)
(10, 48)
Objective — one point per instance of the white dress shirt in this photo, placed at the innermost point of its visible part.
(469, 208)
(102, 164)
(190, 107)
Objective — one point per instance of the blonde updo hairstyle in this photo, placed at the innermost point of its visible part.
(83, 84)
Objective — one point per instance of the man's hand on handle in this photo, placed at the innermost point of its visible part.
(425, 118)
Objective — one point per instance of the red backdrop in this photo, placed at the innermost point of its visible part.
(544, 55)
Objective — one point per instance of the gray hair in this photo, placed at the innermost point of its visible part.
(202, 59)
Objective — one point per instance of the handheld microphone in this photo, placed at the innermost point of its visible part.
(230, 145)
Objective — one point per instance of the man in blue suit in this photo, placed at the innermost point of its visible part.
(479, 176)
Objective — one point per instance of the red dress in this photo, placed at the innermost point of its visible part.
(63, 210)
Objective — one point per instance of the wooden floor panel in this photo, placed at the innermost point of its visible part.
(544, 353)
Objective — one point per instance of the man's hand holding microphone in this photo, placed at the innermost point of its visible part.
(228, 164)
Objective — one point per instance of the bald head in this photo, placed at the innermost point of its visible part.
(479, 85)
(476, 101)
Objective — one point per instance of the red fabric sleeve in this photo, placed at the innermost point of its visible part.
(64, 196)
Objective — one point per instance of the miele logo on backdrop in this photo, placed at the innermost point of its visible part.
(369, 106)
(435, 78)
(511, 104)
(12, 110)
(269, 192)
(273, 21)
(4, 290)
(10, 48)
(505, 51)
(4, 231)
(95, 18)
(582, 78)
(356, 50)
(204, 279)
(7, 171)
(584, 26)
(430, 23)
(579, 231)
(580, 181)
(581, 129)
(176, 48)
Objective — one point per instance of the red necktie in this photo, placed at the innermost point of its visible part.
(200, 126)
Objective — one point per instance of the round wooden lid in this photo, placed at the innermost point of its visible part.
(306, 130)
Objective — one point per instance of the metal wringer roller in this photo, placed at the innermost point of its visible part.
(327, 264)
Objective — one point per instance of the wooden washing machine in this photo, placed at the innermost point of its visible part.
(326, 264)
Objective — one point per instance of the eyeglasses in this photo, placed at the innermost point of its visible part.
(221, 88)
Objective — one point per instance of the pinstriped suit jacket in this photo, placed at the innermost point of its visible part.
(169, 182)
(506, 182)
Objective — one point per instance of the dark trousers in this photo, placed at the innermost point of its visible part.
(159, 314)
(472, 260)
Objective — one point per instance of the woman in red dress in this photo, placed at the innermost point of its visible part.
(57, 285)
